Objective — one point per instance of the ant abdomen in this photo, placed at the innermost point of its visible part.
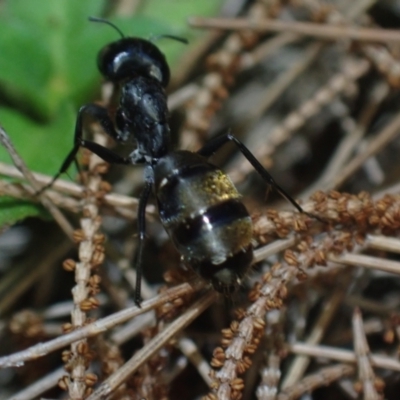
(201, 210)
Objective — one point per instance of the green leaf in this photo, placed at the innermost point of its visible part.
(13, 211)
(176, 12)
(40, 149)
(37, 46)
(42, 146)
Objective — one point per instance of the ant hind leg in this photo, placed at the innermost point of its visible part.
(212, 146)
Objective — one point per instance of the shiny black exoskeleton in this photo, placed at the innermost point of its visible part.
(198, 204)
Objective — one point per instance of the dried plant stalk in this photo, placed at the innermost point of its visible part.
(307, 271)
(79, 382)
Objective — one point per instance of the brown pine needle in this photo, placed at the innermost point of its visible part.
(90, 330)
(340, 355)
(319, 31)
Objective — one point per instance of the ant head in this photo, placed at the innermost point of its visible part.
(128, 57)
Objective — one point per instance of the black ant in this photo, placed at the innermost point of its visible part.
(198, 204)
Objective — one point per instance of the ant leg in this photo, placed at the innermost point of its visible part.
(144, 197)
(104, 153)
(99, 114)
(212, 146)
(71, 157)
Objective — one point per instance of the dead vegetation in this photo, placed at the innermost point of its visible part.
(315, 97)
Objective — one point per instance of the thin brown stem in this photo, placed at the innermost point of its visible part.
(320, 31)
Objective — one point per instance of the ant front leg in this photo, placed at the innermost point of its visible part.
(144, 197)
(100, 115)
(212, 146)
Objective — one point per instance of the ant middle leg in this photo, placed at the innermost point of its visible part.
(100, 115)
(144, 197)
(213, 145)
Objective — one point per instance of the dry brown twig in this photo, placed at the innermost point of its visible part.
(115, 200)
(372, 387)
(94, 328)
(328, 311)
(323, 377)
(318, 31)
(79, 382)
(110, 384)
(340, 355)
(270, 376)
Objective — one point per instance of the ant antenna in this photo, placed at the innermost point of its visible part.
(104, 21)
(177, 38)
